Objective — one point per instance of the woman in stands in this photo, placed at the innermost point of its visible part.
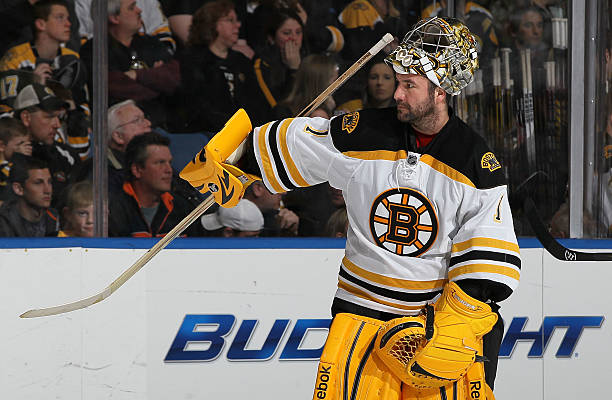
(380, 85)
(216, 80)
(316, 73)
(278, 62)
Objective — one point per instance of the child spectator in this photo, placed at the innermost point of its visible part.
(14, 138)
(78, 214)
(29, 214)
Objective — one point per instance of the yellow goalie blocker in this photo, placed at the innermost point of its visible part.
(211, 169)
(434, 356)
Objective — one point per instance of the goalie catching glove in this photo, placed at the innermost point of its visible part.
(211, 169)
(438, 347)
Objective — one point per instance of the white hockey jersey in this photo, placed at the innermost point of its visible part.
(416, 220)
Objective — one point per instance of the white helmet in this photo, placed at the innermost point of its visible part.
(441, 49)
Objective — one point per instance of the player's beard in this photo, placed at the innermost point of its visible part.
(419, 114)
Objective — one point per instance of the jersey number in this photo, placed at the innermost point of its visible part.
(8, 86)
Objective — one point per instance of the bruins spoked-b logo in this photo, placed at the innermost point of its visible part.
(350, 121)
(404, 222)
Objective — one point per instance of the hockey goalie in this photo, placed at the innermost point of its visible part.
(430, 248)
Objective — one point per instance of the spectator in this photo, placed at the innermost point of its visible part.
(146, 207)
(125, 121)
(314, 205)
(78, 214)
(259, 14)
(278, 221)
(380, 85)
(363, 23)
(48, 61)
(14, 138)
(140, 66)
(46, 56)
(154, 22)
(526, 28)
(17, 17)
(316, 73)
(549, 9)
(337, 225)
(319, 19)
(180, 17)
(29, 214)
(75, 129)
(216, 80)
(40, 110)
(243, 220)
(279, 60)
(323, 34)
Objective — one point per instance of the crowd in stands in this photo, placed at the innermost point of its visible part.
(178, 67)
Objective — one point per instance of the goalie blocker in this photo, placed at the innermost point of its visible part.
(437, 355)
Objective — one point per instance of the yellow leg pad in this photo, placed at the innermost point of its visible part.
(348, 369)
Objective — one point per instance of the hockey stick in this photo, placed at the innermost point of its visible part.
(386, 39)
(551, 245)
(127, 274)
(195, 214)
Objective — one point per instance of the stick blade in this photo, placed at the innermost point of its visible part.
(553, 247)
(77, 305)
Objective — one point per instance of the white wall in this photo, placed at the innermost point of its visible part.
(116, 349)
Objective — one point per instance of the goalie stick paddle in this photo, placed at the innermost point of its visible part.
(199, 210)
(553, 246)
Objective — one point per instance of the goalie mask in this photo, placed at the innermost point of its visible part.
(441, 49)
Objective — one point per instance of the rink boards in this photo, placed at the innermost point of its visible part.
(237, 319)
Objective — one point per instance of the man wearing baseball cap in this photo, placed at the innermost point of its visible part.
(40, 110)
